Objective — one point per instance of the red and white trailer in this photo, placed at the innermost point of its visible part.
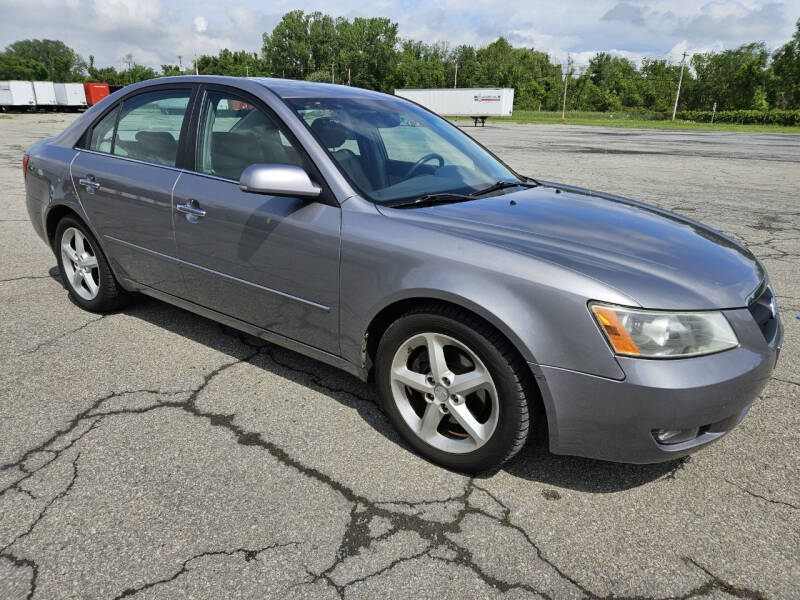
(478, 103)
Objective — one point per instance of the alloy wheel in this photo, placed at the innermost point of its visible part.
(80, 264)
(444, 392)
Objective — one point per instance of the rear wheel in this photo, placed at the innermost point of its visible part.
(454, 388)
(84, 268)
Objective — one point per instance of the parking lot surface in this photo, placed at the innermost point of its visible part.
(152, 453)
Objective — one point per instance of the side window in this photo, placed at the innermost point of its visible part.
(103, 132)
(234, 134)
(150, 126)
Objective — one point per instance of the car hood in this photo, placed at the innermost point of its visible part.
(658, 258)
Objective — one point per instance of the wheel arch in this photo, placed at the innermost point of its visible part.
(389, 313)
(384, 315)
(53, 218)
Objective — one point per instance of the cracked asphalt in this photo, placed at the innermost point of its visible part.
(152, 453)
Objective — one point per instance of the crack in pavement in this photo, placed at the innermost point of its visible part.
(47, 506)
(759, 496)
(25, 277)
(320, 381)
(249, 556)
(437, 534)
(61, 336)
(715, 583)
(87, 415)
(679, 466)
(25, 563)
(268, 350)
(789, 381)
(28, 562)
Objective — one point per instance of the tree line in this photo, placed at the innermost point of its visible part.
(367, 52)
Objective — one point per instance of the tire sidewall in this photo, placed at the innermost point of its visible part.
(498, 446)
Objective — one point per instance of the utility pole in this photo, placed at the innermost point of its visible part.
(348, 75)
(196, 71)
(566, 81)
(678, 93)
(455, 77)
(180, 64)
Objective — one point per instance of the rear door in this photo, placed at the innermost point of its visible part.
(124, 176)
(272, 261)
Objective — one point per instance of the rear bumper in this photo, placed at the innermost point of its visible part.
(614, 420)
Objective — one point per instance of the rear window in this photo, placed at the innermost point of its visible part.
(103, 132)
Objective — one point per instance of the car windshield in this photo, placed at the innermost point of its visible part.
(393, 150)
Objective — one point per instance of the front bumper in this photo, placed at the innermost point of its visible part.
(614, 420)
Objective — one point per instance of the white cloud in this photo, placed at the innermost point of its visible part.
(200, 24)
(157, 31)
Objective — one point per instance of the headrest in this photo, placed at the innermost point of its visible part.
(155, 137)
(330, 132)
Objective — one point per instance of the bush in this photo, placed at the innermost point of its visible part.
(754, 117)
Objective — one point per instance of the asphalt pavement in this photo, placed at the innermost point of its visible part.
(152, 453)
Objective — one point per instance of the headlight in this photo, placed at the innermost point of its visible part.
(661, 334)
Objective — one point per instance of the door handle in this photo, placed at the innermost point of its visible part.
(90, 183)
(188, 209)
(192, 211)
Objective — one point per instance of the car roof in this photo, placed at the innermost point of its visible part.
(285, 88)
(292, 88)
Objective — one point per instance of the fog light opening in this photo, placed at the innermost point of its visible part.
(675, 436)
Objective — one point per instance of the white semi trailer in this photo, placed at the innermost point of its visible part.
(478, 103)
(16, 94)
(45, 93)
(70, 95)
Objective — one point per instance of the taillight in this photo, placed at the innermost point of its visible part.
(25, 160)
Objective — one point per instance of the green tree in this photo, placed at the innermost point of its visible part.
(734, 79)
(27, 69)
(368, 47)
(61, 62)
(234, 64)
(287, 50)
(170, 70)
(785, 73)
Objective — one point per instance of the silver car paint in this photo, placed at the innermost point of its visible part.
(532, 283)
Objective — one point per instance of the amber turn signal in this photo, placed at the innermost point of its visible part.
(614, 330)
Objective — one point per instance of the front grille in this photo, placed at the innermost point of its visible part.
(764, 313)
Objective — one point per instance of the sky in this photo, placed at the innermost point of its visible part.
(157, 32)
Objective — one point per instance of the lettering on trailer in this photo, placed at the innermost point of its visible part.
(485, 98)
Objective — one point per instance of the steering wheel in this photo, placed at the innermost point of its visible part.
(422, 161)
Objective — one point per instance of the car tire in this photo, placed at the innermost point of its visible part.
(84, 268)
(471, 352)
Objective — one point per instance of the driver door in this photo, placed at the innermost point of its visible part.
(272, 261)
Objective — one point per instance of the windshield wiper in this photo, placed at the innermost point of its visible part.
(431, 199)
(501, 185)
(452, 198)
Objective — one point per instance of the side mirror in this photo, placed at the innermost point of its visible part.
(278, 180)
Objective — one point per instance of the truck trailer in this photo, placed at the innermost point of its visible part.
(95, 91)
(45, 93)
(70, 95)
(478, 103)
(16, 94)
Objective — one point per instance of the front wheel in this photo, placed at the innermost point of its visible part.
(454, 388)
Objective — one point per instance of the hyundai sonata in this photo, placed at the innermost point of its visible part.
(360, 229)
